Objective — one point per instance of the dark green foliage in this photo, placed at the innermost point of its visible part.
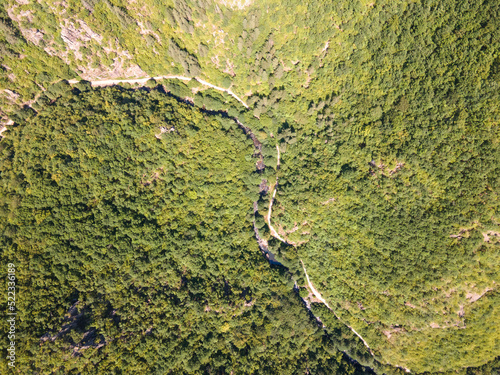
(386, 117)
(121, 14)
(179, 89)
(83, 85)
(202, 50)
(58, 89)
(134, 247)
(188, 61)
(180, 16)
(397, 182)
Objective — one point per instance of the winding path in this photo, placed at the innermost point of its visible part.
(110, 82)
(274, 233)
(309, 283)
(316, 293)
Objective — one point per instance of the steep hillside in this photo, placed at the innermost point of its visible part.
(383, 115)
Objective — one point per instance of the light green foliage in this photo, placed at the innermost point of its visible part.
(386, 117)
(24, 67)
(135, 249)
(396, 185)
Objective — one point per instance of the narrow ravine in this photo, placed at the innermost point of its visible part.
(274, 233)
(263, 244)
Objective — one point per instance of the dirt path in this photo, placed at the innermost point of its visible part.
(320, 297)
(110, 82)
(3, 127)
(309, 283)
(275, 234)
(222, 89)
(269, 212)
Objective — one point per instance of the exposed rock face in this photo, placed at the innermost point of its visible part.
(263, 188)
(260, 165)
(72, 321)
(236, 4)
(78, 34)
(73, 35)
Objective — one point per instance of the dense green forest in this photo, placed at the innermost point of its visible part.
(133, 212)
(132, 248)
